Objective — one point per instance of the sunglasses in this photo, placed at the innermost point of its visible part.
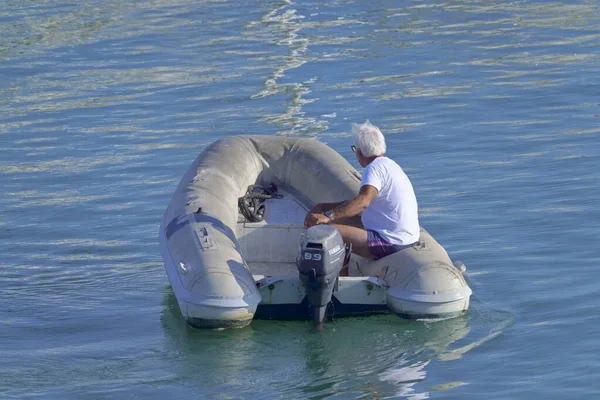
(353, 147)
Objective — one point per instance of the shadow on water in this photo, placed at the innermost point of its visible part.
(376, 357)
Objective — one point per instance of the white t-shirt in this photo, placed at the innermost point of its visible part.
(394, 212)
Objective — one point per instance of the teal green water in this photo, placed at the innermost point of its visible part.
(491, 107)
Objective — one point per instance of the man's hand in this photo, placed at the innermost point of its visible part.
(313, 218)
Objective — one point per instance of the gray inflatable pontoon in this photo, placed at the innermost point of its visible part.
(226, 270)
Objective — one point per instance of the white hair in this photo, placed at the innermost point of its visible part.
(368, 139)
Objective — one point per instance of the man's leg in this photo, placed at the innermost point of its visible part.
(350, 221)
(358, 238)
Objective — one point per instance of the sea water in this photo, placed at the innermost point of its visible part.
(491, 107)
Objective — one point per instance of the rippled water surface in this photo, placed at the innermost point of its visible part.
(491, 107)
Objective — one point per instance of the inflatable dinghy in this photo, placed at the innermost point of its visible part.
(235, 248)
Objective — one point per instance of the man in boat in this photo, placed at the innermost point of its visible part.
(383, 219)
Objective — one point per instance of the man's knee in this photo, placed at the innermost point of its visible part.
(354, 221)
(351, 233)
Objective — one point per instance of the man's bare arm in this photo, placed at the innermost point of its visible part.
(356, 205)
(322, 207)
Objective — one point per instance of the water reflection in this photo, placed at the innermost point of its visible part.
(377, 356)
(285, 24)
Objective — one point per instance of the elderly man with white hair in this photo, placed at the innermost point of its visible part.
(383, 219)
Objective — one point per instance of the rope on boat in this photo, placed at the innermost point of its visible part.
(251, 204)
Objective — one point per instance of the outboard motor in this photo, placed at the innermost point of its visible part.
(320, 259)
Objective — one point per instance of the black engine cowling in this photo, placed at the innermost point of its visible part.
(320, 259)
